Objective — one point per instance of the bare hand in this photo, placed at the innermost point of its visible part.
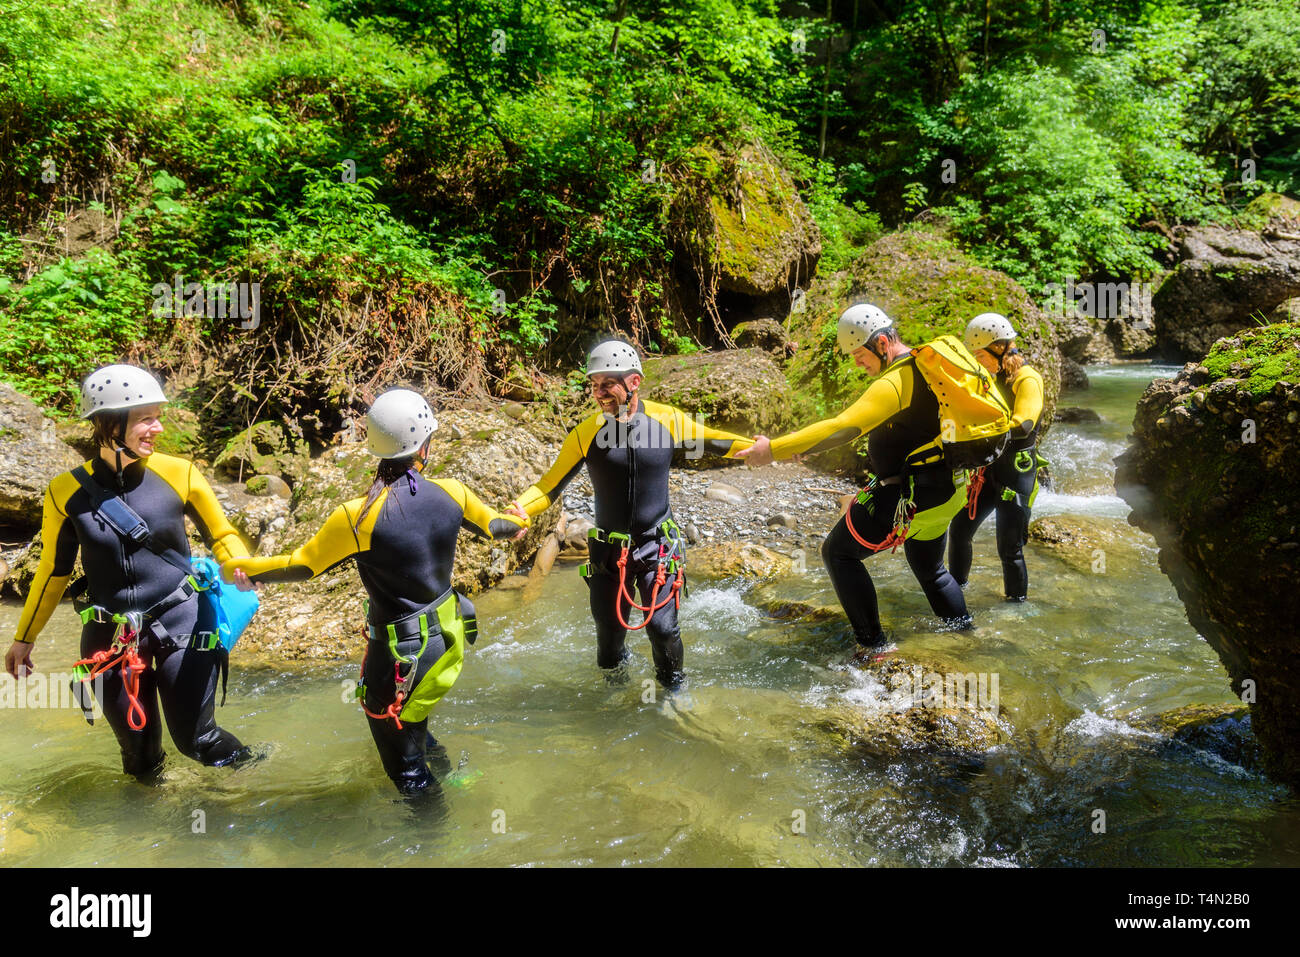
(758, 454)
(514, 509)
(244, 583)
(18, 659)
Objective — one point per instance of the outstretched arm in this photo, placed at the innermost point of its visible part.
(478, 517)
(335, 542)
(538, 497)
(690, 433)
(884, 398)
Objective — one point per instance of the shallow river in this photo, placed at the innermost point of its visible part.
(750, 765)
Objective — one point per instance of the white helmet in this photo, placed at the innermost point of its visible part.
(398, 423)
(614, 357)
(860, 324)
(986, 329)
(119, 387)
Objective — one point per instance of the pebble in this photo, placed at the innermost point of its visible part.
(718, 492)
(783, 518)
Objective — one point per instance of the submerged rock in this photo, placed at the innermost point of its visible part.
(1213, 473)
(1222, 730)
(731, 560)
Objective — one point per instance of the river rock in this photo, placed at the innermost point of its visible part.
(720, 492)
(30, 456)
(737, 390)
(1213, 472)
(268, 485)
(260, 519)
(1288, 311)
(575, 533)
(926, 703)
(731, 560)
(545, 557)
(784, 519)
(1074, 413)
(1073, 376)
(1222, 730)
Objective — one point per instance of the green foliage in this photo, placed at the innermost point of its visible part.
(71, 317)
(1262, 357)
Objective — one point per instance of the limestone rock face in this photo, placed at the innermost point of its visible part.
(30, 455)
(1213, 473)
(1227, 281)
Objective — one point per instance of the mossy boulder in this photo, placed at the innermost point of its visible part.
(266, 448)
(182, 433)
(929, 288)
(739, 390)
(746, 228)
(766, 334)
(1213, 472)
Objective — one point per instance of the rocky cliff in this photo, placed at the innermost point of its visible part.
(1212, 473)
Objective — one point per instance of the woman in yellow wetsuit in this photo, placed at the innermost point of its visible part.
(1010, 484)
(403, 537)
(140, 610)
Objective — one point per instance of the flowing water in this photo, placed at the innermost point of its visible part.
(754, 764)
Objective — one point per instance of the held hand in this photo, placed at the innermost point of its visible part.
(18, 659)
(244, 583)
(514, 509)
(758, 454)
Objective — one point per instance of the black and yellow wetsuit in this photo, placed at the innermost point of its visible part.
(123, 577)
(900, 416)
(629, 461)
(1010, 487)
(404, 549)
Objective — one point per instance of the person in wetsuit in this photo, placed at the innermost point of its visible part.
(402, 535)
(628, 449)
(1010, 484)
(900, 416)
(156, 604)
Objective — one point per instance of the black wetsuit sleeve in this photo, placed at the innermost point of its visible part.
(336, 542)
(479, 518)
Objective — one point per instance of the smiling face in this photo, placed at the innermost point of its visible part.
(142, 428)
(610, 392)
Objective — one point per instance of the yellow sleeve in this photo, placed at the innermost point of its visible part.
(1028, 408)
(479, 517)
(690, 433)
(887, 395)
(335, 542)
(207, 513)
(539, 496)
(58, 552)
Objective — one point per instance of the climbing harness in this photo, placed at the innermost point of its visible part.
(124, 652)
(670, 561)
(451, 616)
(903, 515)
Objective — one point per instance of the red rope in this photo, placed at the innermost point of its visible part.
(896, 536)
(973, 493)
(649, 611)
(133, 666)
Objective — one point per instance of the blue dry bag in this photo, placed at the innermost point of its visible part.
(223, 608)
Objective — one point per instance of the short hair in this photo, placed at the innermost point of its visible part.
(109, 428)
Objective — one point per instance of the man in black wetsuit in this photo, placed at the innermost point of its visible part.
(628, 449)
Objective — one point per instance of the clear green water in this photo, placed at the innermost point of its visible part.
(574, 771)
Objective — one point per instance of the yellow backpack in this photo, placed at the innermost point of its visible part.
(974, 418)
